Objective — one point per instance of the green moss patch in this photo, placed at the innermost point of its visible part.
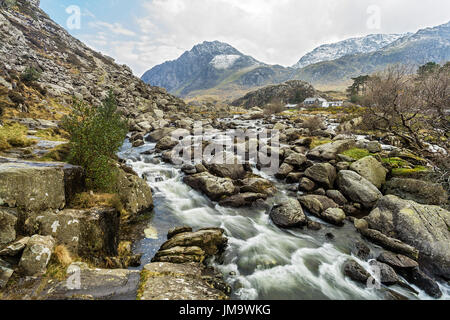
(356, 153)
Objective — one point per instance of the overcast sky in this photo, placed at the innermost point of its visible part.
(144, 33)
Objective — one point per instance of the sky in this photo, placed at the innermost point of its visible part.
(145, 33)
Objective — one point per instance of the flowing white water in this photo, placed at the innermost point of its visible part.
(261, 261)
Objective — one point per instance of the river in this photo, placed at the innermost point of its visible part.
(262, 261)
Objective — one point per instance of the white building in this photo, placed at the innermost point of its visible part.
(309, 102)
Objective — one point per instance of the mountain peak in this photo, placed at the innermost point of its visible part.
(214, 48)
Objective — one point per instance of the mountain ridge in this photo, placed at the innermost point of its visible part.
(220, 69)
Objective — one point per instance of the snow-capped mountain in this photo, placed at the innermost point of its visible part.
(203, 67)
(429, 44)
(217, 66)
(329, 52)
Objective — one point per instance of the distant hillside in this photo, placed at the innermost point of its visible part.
(293, 91)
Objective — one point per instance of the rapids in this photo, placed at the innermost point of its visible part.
(262, 261)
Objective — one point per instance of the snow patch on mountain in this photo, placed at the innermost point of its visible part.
(329, 52)
(224, 61)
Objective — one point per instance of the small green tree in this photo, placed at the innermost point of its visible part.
(96, 134)
(30, 74)
(428, 68)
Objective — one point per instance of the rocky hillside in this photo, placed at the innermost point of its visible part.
(430, 44)
(293, 91)
(63, 67)
(333, 51)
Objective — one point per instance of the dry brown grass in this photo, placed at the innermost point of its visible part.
(63, 256)
(87, 200)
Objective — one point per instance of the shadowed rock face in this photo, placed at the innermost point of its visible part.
(422, 226)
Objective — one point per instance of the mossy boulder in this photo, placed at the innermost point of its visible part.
(422, 226)
(371, 169)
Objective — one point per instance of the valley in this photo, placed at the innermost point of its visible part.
(213, 178)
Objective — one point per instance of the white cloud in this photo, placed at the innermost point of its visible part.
(272, 31)
(115, 28)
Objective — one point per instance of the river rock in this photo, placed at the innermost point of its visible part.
(37, 255)
(296, 160)
(242, 199)
(289, 214)
(423, 281)
(371, 169)
(322, 173)
(334, 215)
(317, 204)
(420, 191)
(5, 274)
(8, 220)
(187, 281)
(284, 170)
(306, 185)
(356, 272)
(226, 165)
(383, 240)
(167, 143)
(374, 147)
(422, 226)
(158, 134)
(358, 188)
(397, 261)
(387, 274)
(256, 184)
(337, 197)
(210, 241)
(329, 151)
(214, 187)
(177, 230)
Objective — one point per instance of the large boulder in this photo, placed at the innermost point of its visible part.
(385, 241)
(37, 255)
(158, 134)
(289, 214)
(8, 220)
(226, 165)
(316, 204)
(422, 226)
(420, 191)
(187, 281)
(322, 173)
(255, 184)
(32, 187)
(85, 283)
(134, 193)
(329, 151)
(242, 199)
(214, 187)
(371, 169)
(86, 233)
(203, 244)
(295, 159)
(167, 143)
(358, 188)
